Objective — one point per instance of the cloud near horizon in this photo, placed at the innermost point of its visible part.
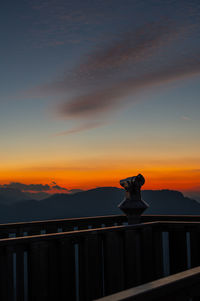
(59, 187)
(32, 187)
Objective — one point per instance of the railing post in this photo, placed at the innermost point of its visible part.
(6, 274)
(133, 205)
(90, 268)
(177, 249)
(113, 248)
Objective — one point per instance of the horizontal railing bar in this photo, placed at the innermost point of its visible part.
(158, 217)
(146, 217)
(71, 234)
(97, 219)
(102, 219)
(77, 220)
(173, 226)
(174, 223)
(162, 226)
(73, 222)
(158, 288)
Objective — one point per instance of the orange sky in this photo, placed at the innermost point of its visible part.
(89, 160)
(86, 102)
(158, 175)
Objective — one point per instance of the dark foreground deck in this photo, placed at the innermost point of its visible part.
(87, 259)
(180, 286)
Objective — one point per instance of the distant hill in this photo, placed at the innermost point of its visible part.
(10, 196)
(170, 202)
(99, 201)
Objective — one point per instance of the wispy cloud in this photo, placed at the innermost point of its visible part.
(103, 100)
(111, 61)
(146, 55)
(81, 128)
(63, 22)
(186, 118)
(129, 48)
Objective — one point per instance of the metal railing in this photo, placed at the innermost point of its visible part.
(71, 224)
(78, 265)
(58, 225)
(89, 264)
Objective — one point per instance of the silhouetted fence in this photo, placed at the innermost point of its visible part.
(89, 264)
(59, 225)
(71, 224)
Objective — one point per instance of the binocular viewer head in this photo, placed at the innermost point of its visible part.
(135, 181)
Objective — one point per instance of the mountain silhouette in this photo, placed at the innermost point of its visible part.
(94, 202)
(11, 195)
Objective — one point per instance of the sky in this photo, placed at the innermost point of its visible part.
(95, 91)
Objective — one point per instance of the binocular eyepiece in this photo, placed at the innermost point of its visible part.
(136, 181)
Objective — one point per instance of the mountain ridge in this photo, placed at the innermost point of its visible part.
(94, 202)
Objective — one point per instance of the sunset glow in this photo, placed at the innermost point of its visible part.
(92, 92)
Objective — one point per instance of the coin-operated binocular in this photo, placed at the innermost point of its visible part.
(133, 205)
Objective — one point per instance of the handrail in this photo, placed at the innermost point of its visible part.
(177, 284)
(144, 218)
(69, 224)
(76, 265)
(59, 225)
(71, 221)
(163, 226)
(96, 262)
(170, 218)
(72, 234)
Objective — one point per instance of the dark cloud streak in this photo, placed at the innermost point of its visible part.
(130, 47)
(98, 102)
(109, 61)
(146, 55)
